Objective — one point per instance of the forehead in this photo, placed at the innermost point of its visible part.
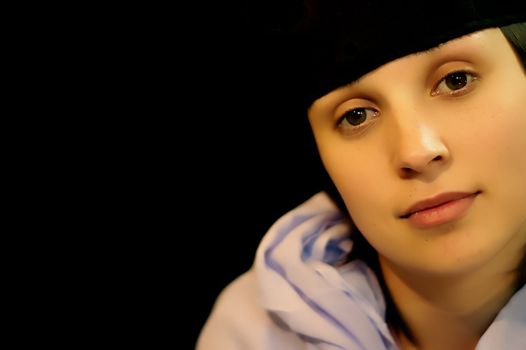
(477, 44)
(467, 43)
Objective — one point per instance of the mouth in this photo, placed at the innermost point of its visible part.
(440, 209)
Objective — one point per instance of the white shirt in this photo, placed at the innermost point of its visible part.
(302, 294)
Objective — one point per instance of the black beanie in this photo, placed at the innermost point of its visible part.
(337, 41)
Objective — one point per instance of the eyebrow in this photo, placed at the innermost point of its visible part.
(429, 51)
(444, 44)
(418, 53)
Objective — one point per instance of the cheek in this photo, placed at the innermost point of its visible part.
(507, 158)
(360, 178)
(493, 154)
(496, 142)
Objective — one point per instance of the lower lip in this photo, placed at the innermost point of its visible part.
(442, 214)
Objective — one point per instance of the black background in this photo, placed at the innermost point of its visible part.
(251, 156)
(180, 141)
(247, 149)
(206, 144)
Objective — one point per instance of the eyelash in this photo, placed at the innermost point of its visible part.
(471, 78)
(356, 128)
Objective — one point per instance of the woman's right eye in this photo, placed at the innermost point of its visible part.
(455, 83)
(356, 118)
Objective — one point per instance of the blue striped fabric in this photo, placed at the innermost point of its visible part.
(302, 294)
(304, 282)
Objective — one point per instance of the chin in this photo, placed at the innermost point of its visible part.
(449, 254)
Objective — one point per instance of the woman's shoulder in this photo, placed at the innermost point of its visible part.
(239, 321)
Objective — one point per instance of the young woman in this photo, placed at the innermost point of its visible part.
(419, 241)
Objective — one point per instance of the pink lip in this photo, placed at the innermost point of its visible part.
(434, 202)
(439, 209)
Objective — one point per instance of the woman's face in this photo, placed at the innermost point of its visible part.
(447, 125)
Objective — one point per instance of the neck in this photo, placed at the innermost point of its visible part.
(447, 312)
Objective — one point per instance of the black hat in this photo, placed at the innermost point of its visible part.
(337, 41)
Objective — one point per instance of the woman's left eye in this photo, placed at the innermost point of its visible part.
(454, 83)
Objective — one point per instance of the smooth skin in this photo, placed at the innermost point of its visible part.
(449, 119)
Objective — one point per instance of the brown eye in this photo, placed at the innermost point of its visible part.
(357, 120)
(355, 116)
(456, 81)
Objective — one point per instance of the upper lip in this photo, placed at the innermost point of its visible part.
(435, 202)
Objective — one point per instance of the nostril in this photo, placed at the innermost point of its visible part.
(407, 172)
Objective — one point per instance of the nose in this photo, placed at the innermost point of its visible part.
(419, 149)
